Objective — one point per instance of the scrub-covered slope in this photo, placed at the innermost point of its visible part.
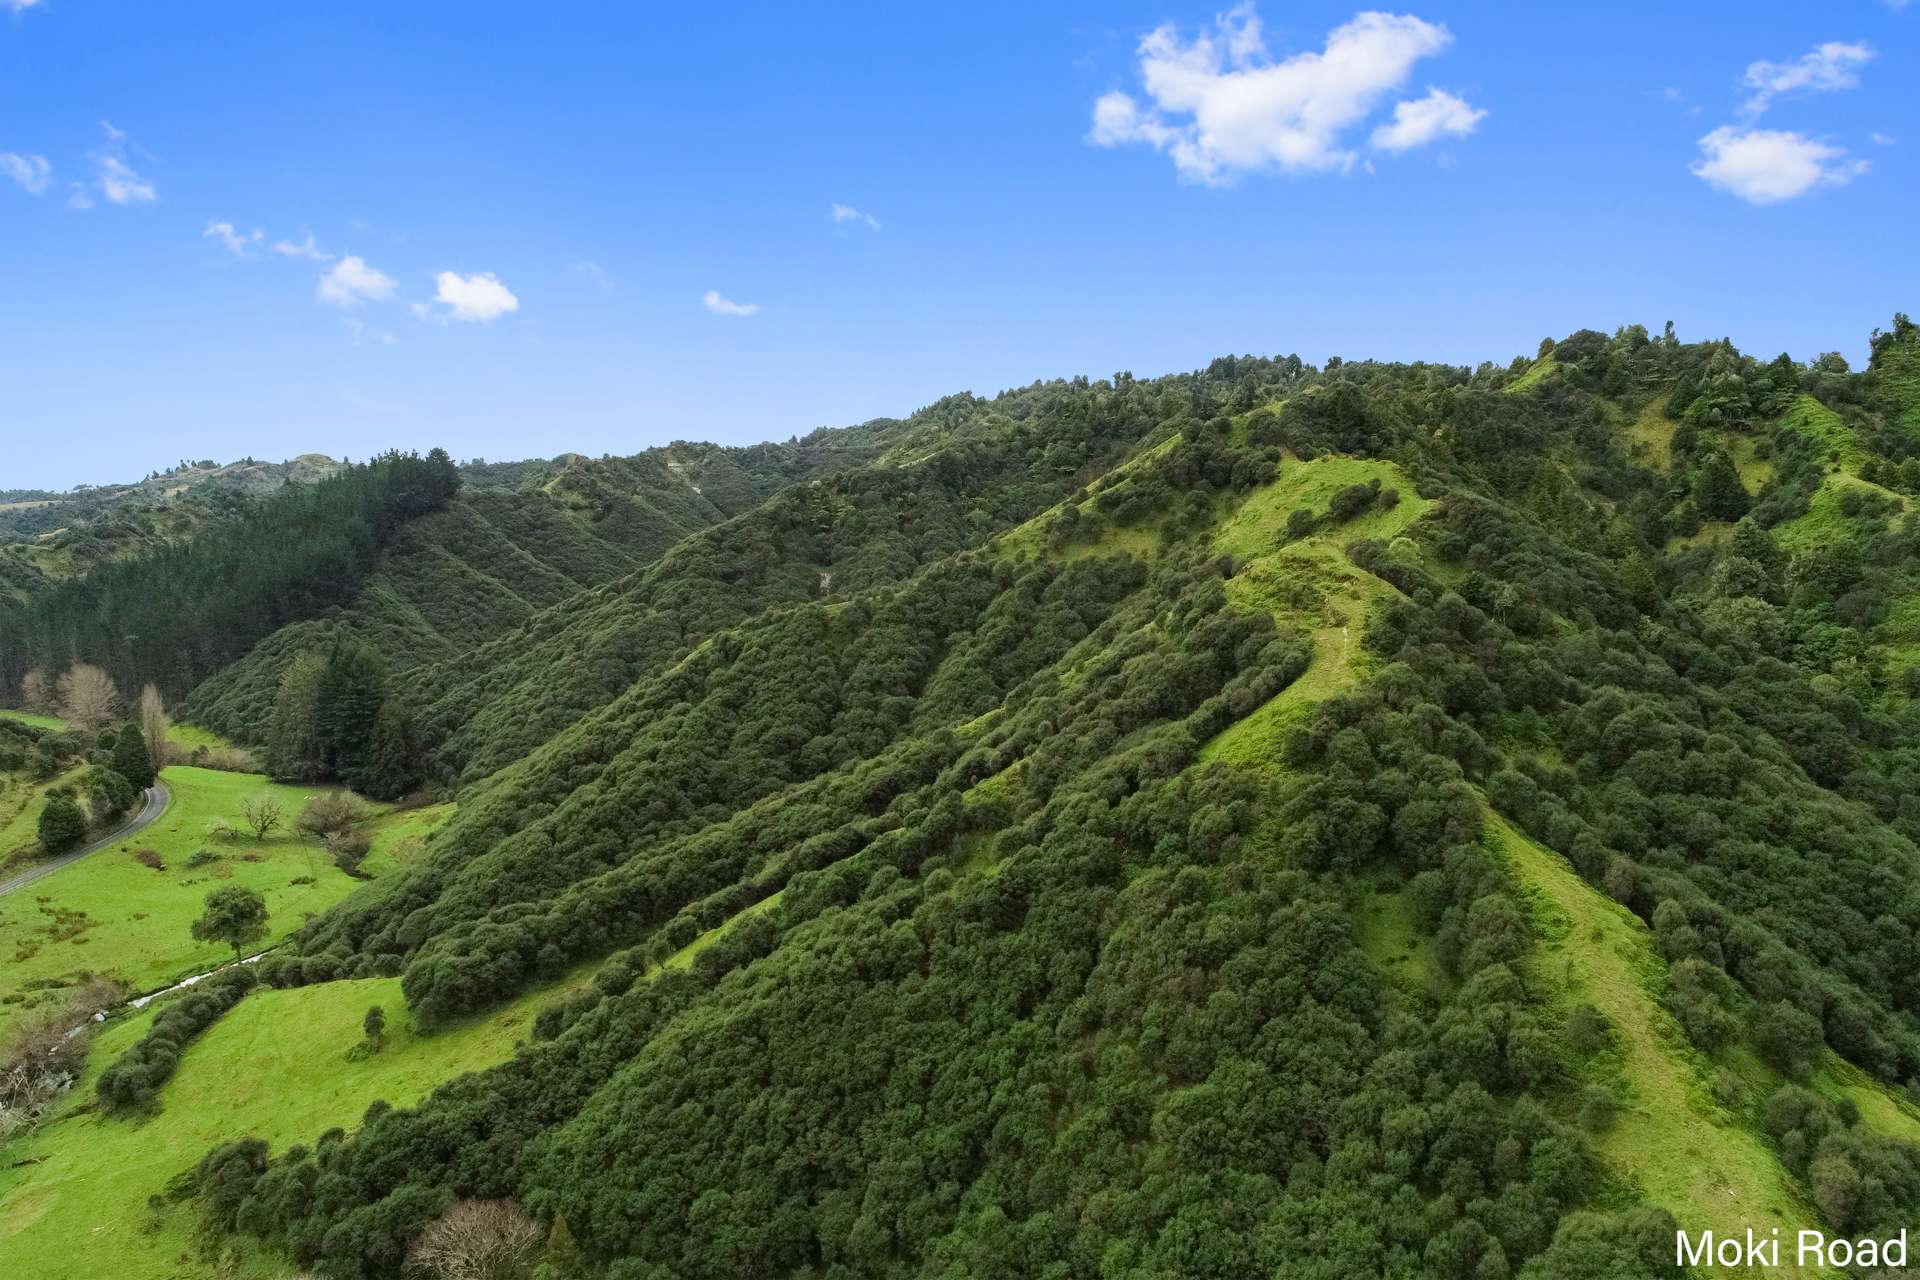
(1384, 820)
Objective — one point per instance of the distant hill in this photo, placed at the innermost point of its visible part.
(48, 535)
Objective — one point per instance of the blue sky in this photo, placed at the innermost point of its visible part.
(498, 227)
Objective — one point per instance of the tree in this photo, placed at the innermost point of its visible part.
(478, 1240)
(1789, 1038)
(233, 915)
(62, 825)
(36, 691)
(1718, 490)
(293, 739)
(131, 758)
(352, 687)
(263, 815)
(395, 767)
(88, 698)
(152, 714)
(374, 1027)
(330, 813)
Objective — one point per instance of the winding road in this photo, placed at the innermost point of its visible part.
(155, 799)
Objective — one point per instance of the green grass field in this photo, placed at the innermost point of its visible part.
(1307, 584)
(37, 721)
(276, 1067)
(1823, 520)
(399, 838)
(1671, 1142)
(191, 736)
(1535, 372)
(1651, 432)
(109, 914)
(1839, 445)
(21, 800)
(1388, 929)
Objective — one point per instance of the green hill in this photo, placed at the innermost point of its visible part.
(1387, 819)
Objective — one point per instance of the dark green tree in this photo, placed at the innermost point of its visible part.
(293, 736)
(131, 759)
(1717, 488)
(396, 764)
(351, 689)
(234, 915)
(62, 825)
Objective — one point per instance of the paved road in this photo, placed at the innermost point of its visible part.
(155, 804)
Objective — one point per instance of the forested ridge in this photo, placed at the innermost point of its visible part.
(1073, 832)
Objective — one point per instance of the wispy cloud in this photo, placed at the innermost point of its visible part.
(18, 7)
(351, 282)
(1220, 106)
(847, 213)
(240, 246)
(1767, 166)
(479, 298)
(30, 171)
(713, 301)
(594, 272)
(306, 247)
(115, 180)
(1826, 68)
(361, 333)
(120, 184)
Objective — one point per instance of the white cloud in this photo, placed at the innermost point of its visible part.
(1884, 139)
(721, 306)
(1827, 68)
(31, 172)
(120, 184)
(847, 213)
(1220, 106)
(352, 281)
(114, 178)
(357, 329)
(1767, 166)
(479, 297)
(1419, 121)
(306, 248)
(594, 272)
(240, 246)
(18, 7)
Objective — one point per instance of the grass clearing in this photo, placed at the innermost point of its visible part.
(1755, 472)
(1308, 584)
(1389, 930)
(1813, 420)
(1672, 1143)
(1535, 372)
(401, 838)
(684, 956)
(1824, 521)
(1651, 433)
(276, 1067)
(108, 913)
(54, 723)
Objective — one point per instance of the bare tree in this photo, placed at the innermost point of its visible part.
(264, 816)
(478, 1240)
(153, 725)
(88, 699)
(36, 691)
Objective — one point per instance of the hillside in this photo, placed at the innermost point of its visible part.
(1383, 819)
